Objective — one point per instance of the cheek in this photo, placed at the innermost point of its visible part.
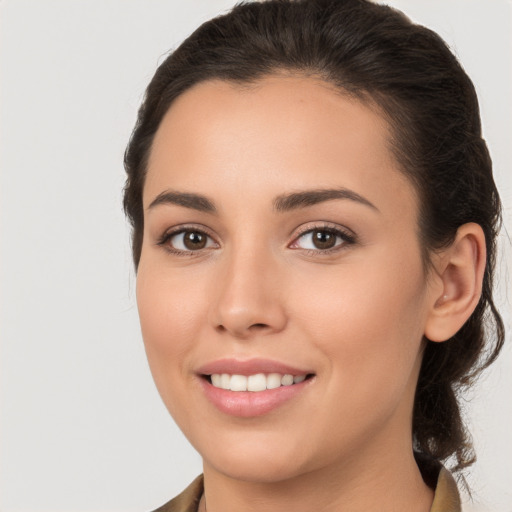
(367, 320)
(171, 312)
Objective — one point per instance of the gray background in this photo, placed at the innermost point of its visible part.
(82, 426)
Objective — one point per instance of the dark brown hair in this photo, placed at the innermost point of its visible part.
(377, 54)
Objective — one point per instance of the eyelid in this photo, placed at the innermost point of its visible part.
(176, 230)
(347, 235)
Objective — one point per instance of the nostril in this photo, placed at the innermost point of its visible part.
(258, 327)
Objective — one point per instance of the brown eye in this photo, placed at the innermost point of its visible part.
(194, 240)
(323, 239)
(188, 240)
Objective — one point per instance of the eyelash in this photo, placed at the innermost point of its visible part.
(166, 237)
(348, 238)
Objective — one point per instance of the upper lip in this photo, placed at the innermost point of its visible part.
(249, 367)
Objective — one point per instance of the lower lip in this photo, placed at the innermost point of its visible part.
(246, 404)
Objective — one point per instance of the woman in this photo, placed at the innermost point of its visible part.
(314, 221)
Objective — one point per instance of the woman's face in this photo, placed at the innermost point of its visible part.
(281, 239)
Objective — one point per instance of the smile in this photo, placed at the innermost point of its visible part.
(252, 387)
(255, 383)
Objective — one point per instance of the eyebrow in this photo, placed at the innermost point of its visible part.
(282, 203)
(186, 199)
(295, 200)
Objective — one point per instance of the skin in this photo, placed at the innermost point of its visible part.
(355, 317)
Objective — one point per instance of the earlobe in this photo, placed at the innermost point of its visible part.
(460, 270)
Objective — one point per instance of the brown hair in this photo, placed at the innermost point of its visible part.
(376, 53)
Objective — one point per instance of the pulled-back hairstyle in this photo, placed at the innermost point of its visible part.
(375, 53)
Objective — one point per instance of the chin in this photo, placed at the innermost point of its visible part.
(256, 468)
(255, 458)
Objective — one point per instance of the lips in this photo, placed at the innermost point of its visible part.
(250, 367)
(252, 387)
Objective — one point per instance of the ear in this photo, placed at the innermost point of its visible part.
(457, 283)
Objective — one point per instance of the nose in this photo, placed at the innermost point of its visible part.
(248, 296)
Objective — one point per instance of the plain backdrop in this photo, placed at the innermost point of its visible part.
(82, 425)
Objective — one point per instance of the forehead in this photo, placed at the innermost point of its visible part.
(290, 131)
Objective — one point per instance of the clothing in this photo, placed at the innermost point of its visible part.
(446, 498)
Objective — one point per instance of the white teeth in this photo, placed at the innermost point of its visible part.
(287, 380)
(238, 383)
(273, 380)
(225, 380)
(256, 382)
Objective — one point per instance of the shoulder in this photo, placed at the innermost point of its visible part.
(441, 481)
(446, 498)
(187, 501)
